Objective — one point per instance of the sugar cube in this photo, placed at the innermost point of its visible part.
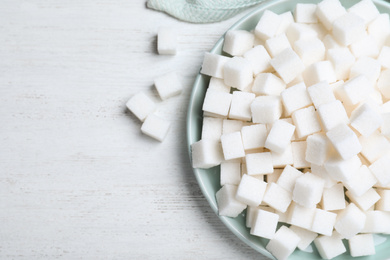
(266, 109)
(306, 121)
(379, 28)
(227, 203)
(380, 169)
(218, 85)
(288, 65)
(350, 221)
(277, 44)
(330, 246)
(259, 163)
(232, 146)
(141, 105)
(365, 201)
(331, 43)
(277, 197)
(216, 103)
(237, 42)
(251, 190)
(287, 20)
(342, 60)
(345, 141)
(230, 126)
(377, 222)
(365, 9)
(213, 65)
(321, 93)
(295, 97)
(348, 28)
(318, 148)
(206, 153)
(283, 244)
(230, 173)
(333, 198)
(155, 127)
(212, 128)
(308, 190)
(288, 177)
(323, 222)
(268, 84)
(321, 172)
(328, 11)
(310, 50)
(319, 71)
(383, 203)
(264, 224)
(368, 67)
(168, 85)
(360, 182)
(259, 58)
(280, 136)
(365, 120)
(384, 83)
(254, 136)
(167, 41)
(299, 31)
(361, 245)
(305, 13)
(365, 46)
(268, 25)
(340, 169)
(299, 154)
(280, 160)
(240, 106)
(300, 216)
(238, 73)
(306, 236)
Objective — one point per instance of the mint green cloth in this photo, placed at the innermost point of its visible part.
(201, 11)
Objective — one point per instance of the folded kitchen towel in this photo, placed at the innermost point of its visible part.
(201, 11)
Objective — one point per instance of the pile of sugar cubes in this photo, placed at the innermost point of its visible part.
(297, 115)
(167, 85)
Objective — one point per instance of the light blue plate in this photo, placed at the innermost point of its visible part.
(209, 179)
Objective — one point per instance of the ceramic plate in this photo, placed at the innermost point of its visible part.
(209, 179)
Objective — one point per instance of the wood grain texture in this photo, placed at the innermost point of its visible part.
(77, 178)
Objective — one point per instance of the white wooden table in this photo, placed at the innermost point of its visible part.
(77, 178)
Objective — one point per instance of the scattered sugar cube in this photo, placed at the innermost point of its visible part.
(321, 93)
(306, 236)
(330, 246)
(318, 148)
(259, 163)
(141, 105)
(268, 25)
(308, 190)
(368, 67)
(306, 121)
(230, 173)
(283, 244)
(264, 224)
(218, 85)
(323, 222)
(377, 222)
(240, 106)
(299, 31)
(380, 169)
(384, 83)
(350, 221)
(259, 58)
(360, 182)
(332, 114)
(374, 146)
(365, 201)
(355, 90)
(300, 216)
(295, 97)
(365, 120)
(342, 170)
(333, 198)
(254, 136)
(266, 109)
(268, 84)
(227, 203)
(287, 20)
(305, 13)
(232, 146)
(310, 50)
(383, 203)
(155, 127)
(167, 41)
(361, 245)
(206, 153)
(238, 73)
(299, 154)
(379, 28)
(216, 103)
(277, 197)
(348, 28)
(288, 177)
(288, 65)
(237, 42)
(280, 136)
(366, 46)
(344, 140)
(277, 44)
(320, 29)
(213, 65)
(212, 128)
(365, 9)
(321, 172)
(342, 60)
(328, 11)
(319, 71)
(331, 43)
(280, 160)
(251, 190)
(168, 85)
(251, 213)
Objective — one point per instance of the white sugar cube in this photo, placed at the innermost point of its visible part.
(319, 71)
(216, 103)
(361, 245)
(213, 65)
(280, 136)
(277, 197)
(342, 60)
(299, 154)
(268, 84)
(360, 182)
(238, 73)
(305, 13)
(331, 43)
(328, 11)
(333, 198)
(277, 44)
(259, 59)
(308, 190)
(227, 203)
(380, 169)
(240, 106)
(379, 28)
(254, 136)
(283, 244)
(321, 172)
(310, 50)
(377, 222)
(345, 141)
(218, 85)
(300, 216)
(365, 201)
(365, 9)
(299, 31)
(384, 202)
(365, 120)
(264, 224)
(330, 246)
(287, 20)
(350, 221)
(295, 97)
(385, 128)
(259, 163)
(355, 90)
(141, 105)
(212, 128)
(288, 177)
(232, 146)
(268, 25)
(306, 121)
(323, 222)
(288, 65)
(251, 190)
(342, 170)
(237, 42)
(366, 66)
(167, 41)
(168, 85)
(320, 29)
(306, 236)
(280, 160)
(251, 213)
(384, 83)
(348, 28)
(230, 173)
(332, 114)
(318, 148)
(155, 127)
(366, 46)
(206, 153)
(266, 109)
(321, 93)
